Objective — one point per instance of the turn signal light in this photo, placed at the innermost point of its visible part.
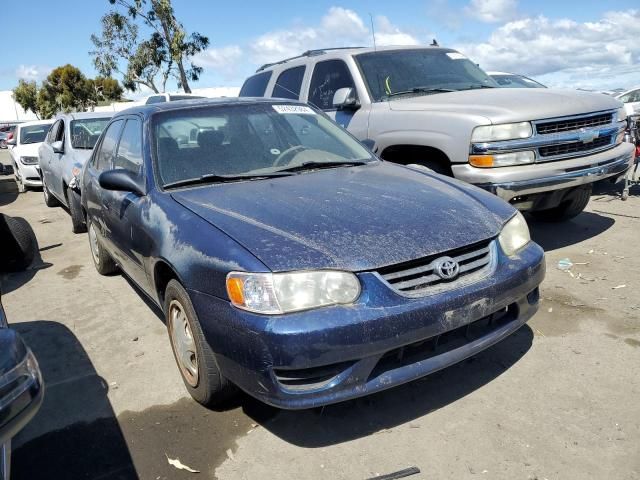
(235, 288)
(481, 160)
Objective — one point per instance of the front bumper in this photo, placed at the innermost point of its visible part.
(29, 174)
(511, 182)
(307, 359)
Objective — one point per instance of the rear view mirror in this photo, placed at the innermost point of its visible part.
(58, 147)
(21, 387)
(120, 180)
(345, 99)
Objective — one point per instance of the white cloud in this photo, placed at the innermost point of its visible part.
(338, 27)
(593, 53)
(33, 72)
(224, 59)
(492, 11)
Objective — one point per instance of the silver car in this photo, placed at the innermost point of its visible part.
(63, 154)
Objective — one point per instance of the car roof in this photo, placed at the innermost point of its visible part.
(148, 110)
(81, 115)
(505, 73)
(619, 94)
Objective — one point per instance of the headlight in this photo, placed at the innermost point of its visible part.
(502, 159)
(277, 293)
(29, 160)
(506, 131)
(622, 114)
(514, 235)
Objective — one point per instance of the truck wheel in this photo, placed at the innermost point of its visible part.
(196, 361)
(18, 244)
(570, 207)
(101, 259)
(78, 224)
(49, 200)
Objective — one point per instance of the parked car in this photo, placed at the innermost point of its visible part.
(24, 152)
(293, 263)
(541, 150)
(170, 97)
(631, 100)
(513, 80)
(62, 155)
(6, 133)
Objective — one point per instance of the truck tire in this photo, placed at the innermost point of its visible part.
(200, 372)
(571, 207)
(18, 244)
(78, 224)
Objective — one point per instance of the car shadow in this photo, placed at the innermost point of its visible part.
(335, 424)
(75, 434)
(613, 190)
(8, 190)
(554, 235)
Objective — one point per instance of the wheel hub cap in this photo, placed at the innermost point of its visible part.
(183, 343)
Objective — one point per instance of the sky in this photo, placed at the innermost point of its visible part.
(567, 44)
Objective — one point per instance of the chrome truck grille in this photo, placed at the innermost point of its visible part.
(575, 123)
(421, 277)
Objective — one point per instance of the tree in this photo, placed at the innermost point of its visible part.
(26, 95)
(107, 89)
(65, 89)
(164, 54)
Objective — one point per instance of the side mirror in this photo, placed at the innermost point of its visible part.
(21, 387)
(11, 142)
(58, 147)
(345, 99)
(120, 180)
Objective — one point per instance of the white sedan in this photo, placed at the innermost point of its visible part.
(23, 149)
(631, 100)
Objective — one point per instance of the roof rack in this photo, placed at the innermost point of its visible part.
(308, 53)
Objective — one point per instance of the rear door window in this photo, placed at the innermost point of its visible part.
(289, 83)
(328, 76)
(104, 157)
(255, 86)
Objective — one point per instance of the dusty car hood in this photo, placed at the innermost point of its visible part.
(501, 105)
(355, 219)
(28, 150)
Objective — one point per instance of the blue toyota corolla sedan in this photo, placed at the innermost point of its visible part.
(291, 262)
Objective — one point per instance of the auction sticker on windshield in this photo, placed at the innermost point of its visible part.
(298, 109)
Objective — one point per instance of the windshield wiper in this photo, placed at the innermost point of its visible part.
(473, 87)
(320, 165)
(421, 90)
(215, 178)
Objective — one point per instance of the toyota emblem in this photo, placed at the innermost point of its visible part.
(447, 268)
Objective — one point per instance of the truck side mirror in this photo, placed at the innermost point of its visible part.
(345, 99)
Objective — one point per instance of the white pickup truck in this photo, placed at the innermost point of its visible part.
(539, 149)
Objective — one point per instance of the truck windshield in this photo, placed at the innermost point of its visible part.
(393, 73)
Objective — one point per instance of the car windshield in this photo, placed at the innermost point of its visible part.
(34, 133)
(254, 140)
(85, 132)
(516, 81)
(392, 73)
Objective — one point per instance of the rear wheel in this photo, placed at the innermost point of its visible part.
(49, 199)
(572, 205)
(78, 224)
(101, 259)
(196, 361)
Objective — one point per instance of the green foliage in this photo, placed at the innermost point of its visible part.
(107, 89)
(26, 95)
(167, 52)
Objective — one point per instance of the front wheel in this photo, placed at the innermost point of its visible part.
(101, 259)
(196, 361)
(78, 224)
(49, 199)
(572, 206)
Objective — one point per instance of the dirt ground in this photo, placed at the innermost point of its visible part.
(560, 399)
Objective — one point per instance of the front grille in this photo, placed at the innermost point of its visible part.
(418, 277)
(310, 378)
(575, 123)
(574, 147)
(443, 343)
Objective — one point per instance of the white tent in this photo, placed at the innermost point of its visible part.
(10, 111)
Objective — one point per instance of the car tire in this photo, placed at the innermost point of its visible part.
(571, 207)
(101, 259)
(49, 199)
(78, 224)
(200, 372)
(18, 244)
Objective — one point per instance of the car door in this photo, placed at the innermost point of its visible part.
(44, 154)
(54, 183)
(92, 193)
(122, 210)
(329, 76)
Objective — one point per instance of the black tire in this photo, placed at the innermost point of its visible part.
(78, 225)
(101, 259)
(18, 244)
(49, 199)
(571, 207)
(212, 388)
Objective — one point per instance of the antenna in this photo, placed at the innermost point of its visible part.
(373, 32)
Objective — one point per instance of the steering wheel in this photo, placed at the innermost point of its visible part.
(279, 161)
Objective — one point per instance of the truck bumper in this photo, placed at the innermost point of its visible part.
(511, 182)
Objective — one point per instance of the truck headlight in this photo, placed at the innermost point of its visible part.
(502, 159)
(277, 293)
(621, 115)
(514, 235)
(29, 160)
(505, 131)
